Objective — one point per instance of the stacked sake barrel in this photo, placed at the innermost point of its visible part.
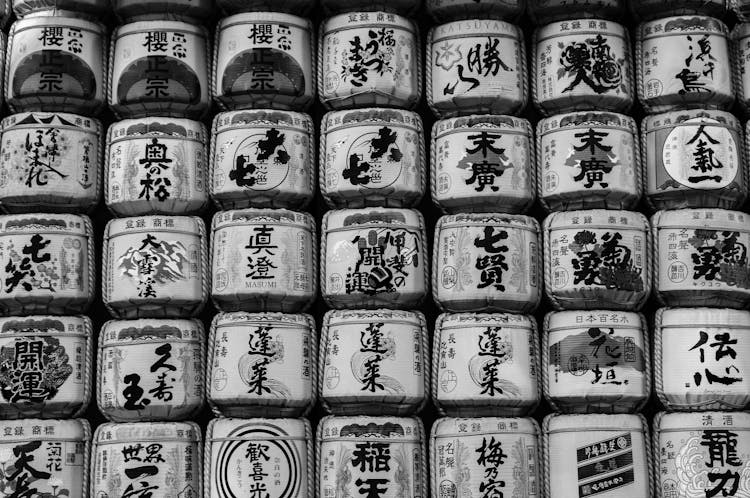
(373, 363)
(487, 265)
(155, 274)
(595, 351)
(261, 371)
(50, 176)
(689, 69)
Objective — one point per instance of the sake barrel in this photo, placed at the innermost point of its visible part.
(264, 260)
(683, 62)
(261, 364)
(191, 10)
(92, 8)
(485, 364)
(155, 267)
(700, 258)
(262, 158)
(652, 9)
(47, 366)
(740, 55)
(482, 163)
(45, 457)
(715, 443)
(158, 458)
(479, 455)
(487, 262)
(545, 11)
(701, 356)
(582, 64)
(694, 158)
(50, 161)
(369, 59)
(608, 456)
(48, 264)
(597, 259)
(588, 160)
(596, 361)
(476, 66)
(159, 68)
(374, 362)
(451, 10)
(381, 455)
(373, 258)
(372, 157)
(273, 457)
(156, 166)
(264, 60)
(56, 62)
(151, 369)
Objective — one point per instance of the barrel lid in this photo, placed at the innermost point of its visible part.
(264, 429)
(708, 218)
(263, 117)
(64, 223)
(241, 318)
(158, 25)
(696, 421)
(33, 429)
(165, 224)
(116, 433)
(593, 422)
(265, 17)
(46, 324)
(701, 116)
(702, 317)
(260, 216)
(683, 25)
(395, 429)
(576, 320)
(520, 221)
(343, 317)
(580, 27)
(562, 220)
(334, 120)
(354, 20)
(367, 217)
(452, 427)
(122, 332)
(587, 119)
(473, 27)
(468, 320)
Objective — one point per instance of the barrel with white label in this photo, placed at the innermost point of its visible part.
(382, 456)
(702, 358)
(262, 158)
(597, 259)
(47, 263)
(485, 364)
(369, 59)
(261, 364)
(588, 160)
(700, 258)
(191, 10)
(475, 456)
(476, 66)
(156, 165)
(487, 262)
(683, 62)
(694, 158)
(452, 10)
(150, 369)
(653, 9)
(373, 258)
(257, 457)
(372, 157)
(56, 62)
(264, 260)
(147, 458)
(45, 457)
(740, 46)
(159, 68)
(155, 267)
(90, 8)
(264, 60)
(701, 454)
(596, 361)
(47, 366)
(546, 11)
(374, 362)
(50, 161)
(607, 456)
(582, 64)
(483, 163)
